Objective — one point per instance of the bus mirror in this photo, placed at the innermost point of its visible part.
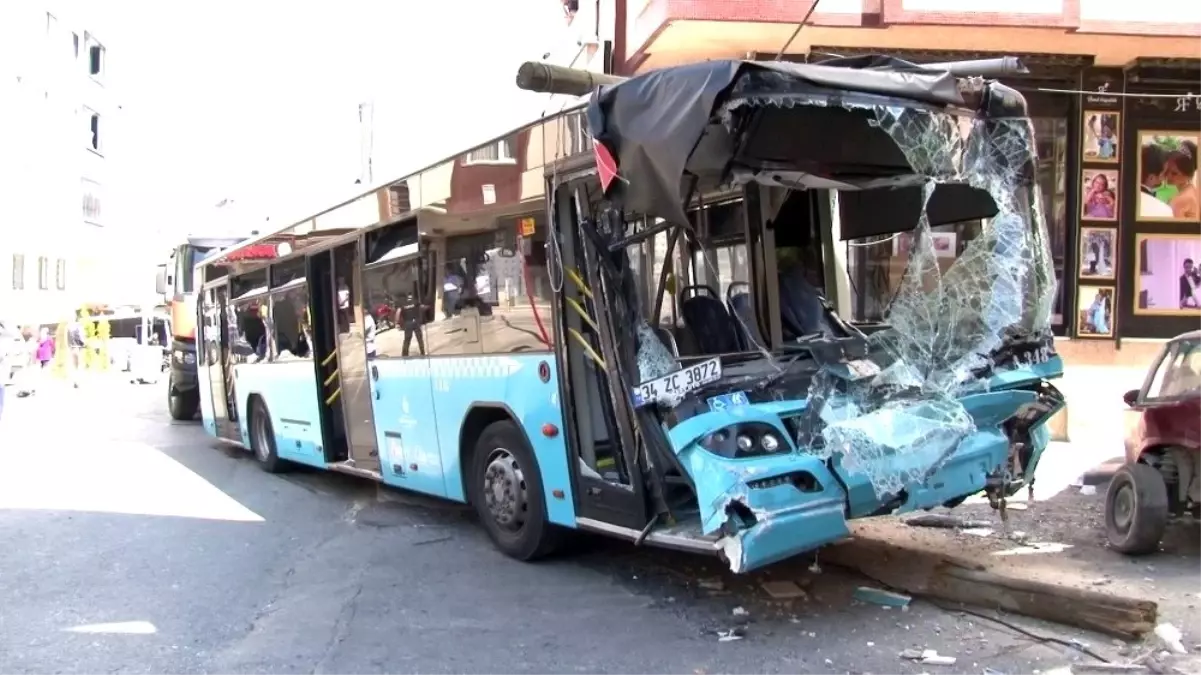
(160, 280)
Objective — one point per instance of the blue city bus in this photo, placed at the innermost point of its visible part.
(636, 317)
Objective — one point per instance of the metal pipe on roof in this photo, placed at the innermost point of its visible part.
(1004, 66)
(544, 78)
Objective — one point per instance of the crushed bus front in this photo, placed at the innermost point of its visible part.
(768, 494)
(786, 442)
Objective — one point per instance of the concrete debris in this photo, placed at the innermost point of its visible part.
(1170, 636)
(741, 611)
(713, 584)
(1016, 506)
(1088, 490)
(944, 521)
(730, 635)
(927, 657)
(877, 596)
(783, 590)
(1108, 668)
(978, 531)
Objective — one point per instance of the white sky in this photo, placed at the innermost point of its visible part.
(257, 100)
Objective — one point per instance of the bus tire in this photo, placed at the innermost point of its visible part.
(262, 438)
(506, 491)
(182, 405)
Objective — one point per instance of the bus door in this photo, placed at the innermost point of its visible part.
(352, 358)
(220, 362)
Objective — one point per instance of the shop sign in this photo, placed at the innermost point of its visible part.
(526, 227)
(1187, 103)
(1100, 98)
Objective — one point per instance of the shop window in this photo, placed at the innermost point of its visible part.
(60, 274)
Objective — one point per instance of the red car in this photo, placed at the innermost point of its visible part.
(1163, 445)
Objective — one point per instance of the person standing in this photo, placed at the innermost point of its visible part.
(76, 343)
(6, 366)
(45, 351)
(410, 316)
(452, 288)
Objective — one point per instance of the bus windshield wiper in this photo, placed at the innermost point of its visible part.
(779, 374)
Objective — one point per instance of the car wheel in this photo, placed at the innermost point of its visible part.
(262, 438)
(506, 491)
(1136, 509)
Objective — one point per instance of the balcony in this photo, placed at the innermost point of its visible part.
(666, 32)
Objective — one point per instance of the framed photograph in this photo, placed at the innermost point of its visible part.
(944, 244)
(1094, 311)
(1167, 177)
(1099, 194)
(1102, 136)
(1167, 274)
(1098, 247)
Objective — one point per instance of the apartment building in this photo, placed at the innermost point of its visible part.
(54, 135)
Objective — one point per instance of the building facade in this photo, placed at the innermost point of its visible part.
(1112, 91)
(54, 135)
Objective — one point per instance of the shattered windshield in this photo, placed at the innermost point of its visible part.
(949, 327)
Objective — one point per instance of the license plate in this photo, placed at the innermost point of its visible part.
(861, 368)
(674, 385)
(733, 399)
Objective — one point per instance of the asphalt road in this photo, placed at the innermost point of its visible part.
(134, 544)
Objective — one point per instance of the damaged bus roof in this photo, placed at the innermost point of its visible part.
(695, 127)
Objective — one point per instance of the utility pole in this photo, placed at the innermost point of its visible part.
(366, 142)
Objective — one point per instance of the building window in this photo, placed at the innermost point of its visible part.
(95, 57)
(577, 140)
(500, 152)
(91, 201)
(75, 44)
(93, 141)
(60, 274)
(43, 273)
(18, 272)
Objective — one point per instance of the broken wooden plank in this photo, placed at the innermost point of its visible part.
(922, 572)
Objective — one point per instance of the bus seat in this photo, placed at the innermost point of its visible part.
(744, 320)
(707, 318)
(668, 339)
(684, 340)
(801, 307)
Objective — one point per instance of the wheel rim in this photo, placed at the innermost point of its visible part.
(261, 437)
(1123, 508)
(505, 490)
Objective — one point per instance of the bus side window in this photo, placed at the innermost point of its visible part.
(520, 321)
(392, 298)
(290, 325)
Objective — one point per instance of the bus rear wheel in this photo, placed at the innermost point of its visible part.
(506, 491)
(183, 406)
(262, 438)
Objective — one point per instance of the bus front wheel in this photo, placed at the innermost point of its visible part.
(506, 491)
(182, 405)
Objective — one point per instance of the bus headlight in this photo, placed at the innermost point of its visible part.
(753, 439)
